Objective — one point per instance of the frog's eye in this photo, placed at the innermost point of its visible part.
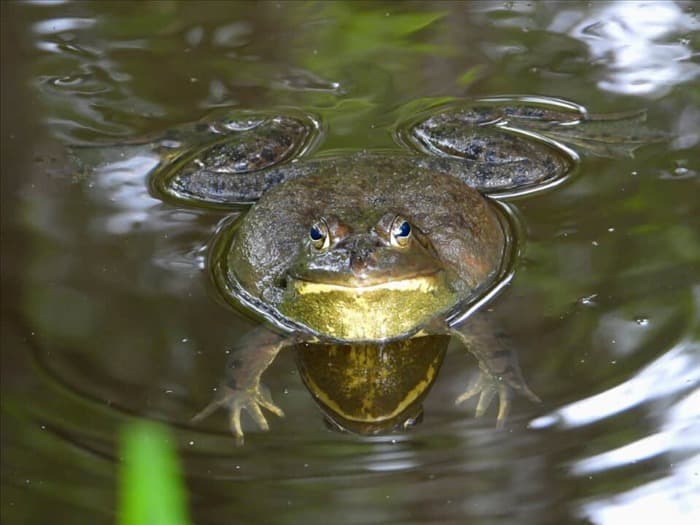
(318, 234)
(400, 232)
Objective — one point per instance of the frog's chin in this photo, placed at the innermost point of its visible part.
(371, 312)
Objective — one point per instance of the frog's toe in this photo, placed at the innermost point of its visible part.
(265, 400)
(504, 395)
(485, 399)
(236, 401)
(471, 392)
(487, 387)
(525, 390)
(207, 410)
(234, 421)
(253, 408)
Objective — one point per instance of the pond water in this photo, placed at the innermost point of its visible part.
(108, 314)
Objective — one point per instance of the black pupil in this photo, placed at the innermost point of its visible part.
(315, 233)
(403, 230)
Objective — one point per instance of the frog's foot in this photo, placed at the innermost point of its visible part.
(242, 156)
(487, 386)
(236, 400)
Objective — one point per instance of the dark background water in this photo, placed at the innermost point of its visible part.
(107, 316)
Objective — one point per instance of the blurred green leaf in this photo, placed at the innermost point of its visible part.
(470, 76)
(358, 35)
(151, 490)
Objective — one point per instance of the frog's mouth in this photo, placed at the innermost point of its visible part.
(418, 283)
(371, 311)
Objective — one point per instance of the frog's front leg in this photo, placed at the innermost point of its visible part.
(499, 369)
(241, 388)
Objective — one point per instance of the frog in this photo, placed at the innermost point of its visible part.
(372, 248)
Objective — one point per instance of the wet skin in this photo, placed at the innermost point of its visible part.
(370, 388)
(372, 248)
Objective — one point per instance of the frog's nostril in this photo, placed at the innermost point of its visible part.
(359, 264)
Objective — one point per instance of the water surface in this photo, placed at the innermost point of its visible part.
(108, 315)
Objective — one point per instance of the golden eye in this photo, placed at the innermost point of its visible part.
(318, 234)
(400, 231)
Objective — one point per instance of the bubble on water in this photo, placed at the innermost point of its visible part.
(241, 124)
(170, 144)
(589, 300)
(235, 34)
(194, 36)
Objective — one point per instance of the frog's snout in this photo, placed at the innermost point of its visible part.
(359, 263)
(362, 251)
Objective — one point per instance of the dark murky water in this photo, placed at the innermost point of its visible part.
(107, 314)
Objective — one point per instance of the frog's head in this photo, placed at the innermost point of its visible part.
(366, 279)
(370, 248)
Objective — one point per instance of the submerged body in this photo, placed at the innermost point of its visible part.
(368, 388)
(371, 248)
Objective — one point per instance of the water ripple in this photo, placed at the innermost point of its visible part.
(674, 372)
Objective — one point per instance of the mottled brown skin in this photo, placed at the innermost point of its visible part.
(364, 266)
(455, 233)
(456, 248)
(357, 191)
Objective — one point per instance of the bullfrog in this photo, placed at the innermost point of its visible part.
(371, 248)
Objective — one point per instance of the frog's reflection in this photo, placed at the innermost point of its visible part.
(371, 388)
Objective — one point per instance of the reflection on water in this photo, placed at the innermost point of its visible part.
(107, 315)
(674, 376)
(673, 373)
(645, 45)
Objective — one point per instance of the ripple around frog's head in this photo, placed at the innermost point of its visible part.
(393, 304)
